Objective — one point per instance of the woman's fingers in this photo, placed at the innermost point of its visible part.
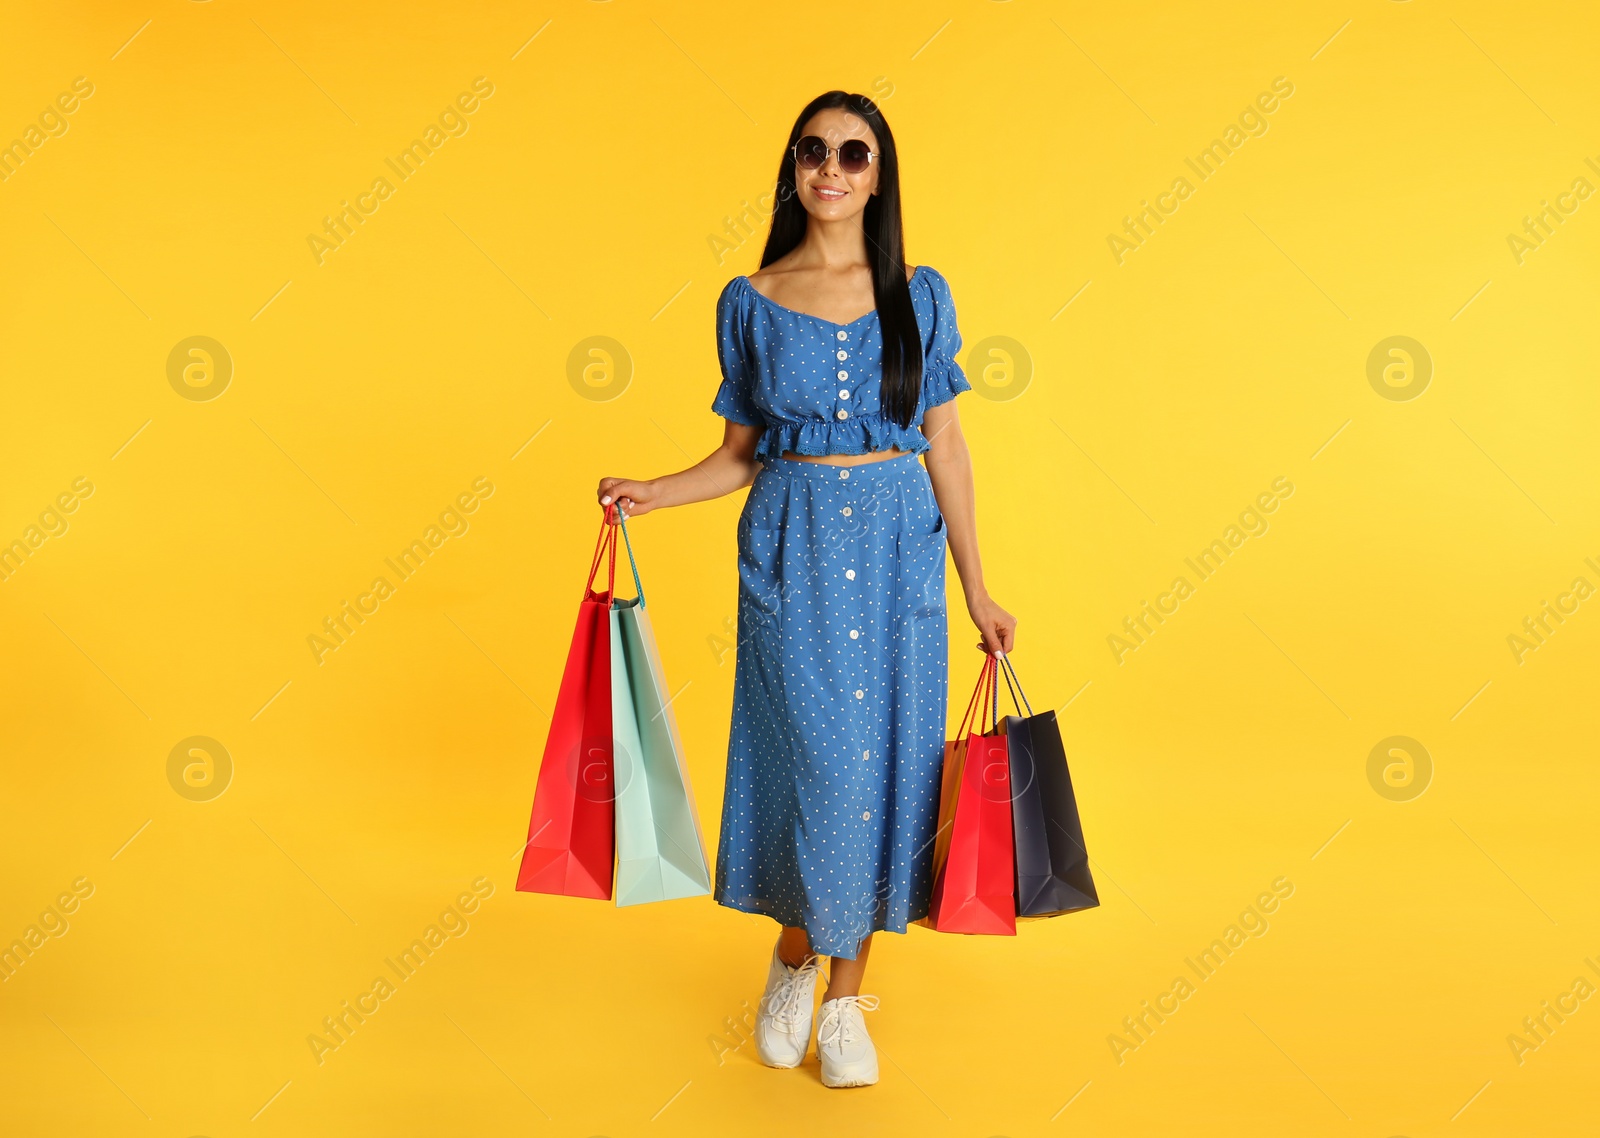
(615, 489)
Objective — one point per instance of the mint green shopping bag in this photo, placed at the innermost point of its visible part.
(660, 851)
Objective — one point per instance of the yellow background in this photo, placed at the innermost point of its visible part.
(370, 389)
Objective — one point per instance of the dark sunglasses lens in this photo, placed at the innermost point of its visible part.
(854, 156)
(811, 152)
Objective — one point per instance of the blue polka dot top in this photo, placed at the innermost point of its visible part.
(813, 385)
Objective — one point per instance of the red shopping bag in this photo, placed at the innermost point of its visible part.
(974, 886)
(571, 847)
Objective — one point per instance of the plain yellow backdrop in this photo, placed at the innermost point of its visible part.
(183, 539)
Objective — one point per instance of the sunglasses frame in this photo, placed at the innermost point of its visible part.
(829, 152)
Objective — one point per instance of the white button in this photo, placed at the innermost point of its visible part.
(866, 815)
(844, 393)
(844, 375)
(850, 574)
(865, 755)
(855, 634)
(860, 694)
(842, 354)
(845, 511)
(842, 335)
(843, 414)
(844, 474)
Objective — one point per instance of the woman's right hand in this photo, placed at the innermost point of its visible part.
(634, 498)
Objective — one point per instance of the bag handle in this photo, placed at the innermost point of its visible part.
(1010, 674)
(622, 524)
(607, 540)
(961, 733)
(986, 691)
(994, 697)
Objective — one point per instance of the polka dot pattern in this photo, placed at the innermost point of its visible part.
(836, 747)
(814, 385)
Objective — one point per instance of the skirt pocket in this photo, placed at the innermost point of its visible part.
(761, 539)
(922, 560)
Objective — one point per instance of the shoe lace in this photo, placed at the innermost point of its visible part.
(844, 1013)
(784, 1002)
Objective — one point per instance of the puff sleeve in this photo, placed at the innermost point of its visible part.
(734, 397)
(942, 377)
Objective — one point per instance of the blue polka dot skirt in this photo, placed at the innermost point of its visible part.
(840, 688)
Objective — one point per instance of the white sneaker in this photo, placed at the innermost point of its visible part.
(848, 1057)
(783, 1018)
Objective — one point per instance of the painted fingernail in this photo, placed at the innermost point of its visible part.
(606, 501)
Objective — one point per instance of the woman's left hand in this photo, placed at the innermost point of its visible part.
(997, 626)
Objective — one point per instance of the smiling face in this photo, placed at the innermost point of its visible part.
(828, 193)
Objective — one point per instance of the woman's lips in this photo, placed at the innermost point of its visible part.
(828, 193)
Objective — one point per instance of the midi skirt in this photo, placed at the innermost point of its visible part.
(839, 697)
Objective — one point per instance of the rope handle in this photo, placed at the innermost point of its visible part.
(986, 691)
(1010, 674)
(607, 541)
(638, 588)
(973, 702)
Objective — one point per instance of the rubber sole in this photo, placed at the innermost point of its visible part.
(850, 1080)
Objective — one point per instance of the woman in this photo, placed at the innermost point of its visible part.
(838, 369)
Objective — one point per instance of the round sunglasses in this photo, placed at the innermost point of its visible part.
(811, 153)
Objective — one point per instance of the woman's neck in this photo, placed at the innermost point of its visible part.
(832, 245)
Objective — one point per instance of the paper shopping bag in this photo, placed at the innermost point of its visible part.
(974, 889)
(1052, 862)
(571, 844)
(660, 850)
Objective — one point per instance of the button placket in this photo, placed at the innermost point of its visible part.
(853, 609)
(841, 354)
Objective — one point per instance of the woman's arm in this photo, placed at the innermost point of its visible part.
(728, 468)
(950, 469)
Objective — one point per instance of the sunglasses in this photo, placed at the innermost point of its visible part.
(811, 153)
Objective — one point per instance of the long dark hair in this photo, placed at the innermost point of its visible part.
(902, 341)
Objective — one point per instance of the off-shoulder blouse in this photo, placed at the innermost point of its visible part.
(814, 385)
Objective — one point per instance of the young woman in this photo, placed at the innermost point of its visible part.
(838, 369)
